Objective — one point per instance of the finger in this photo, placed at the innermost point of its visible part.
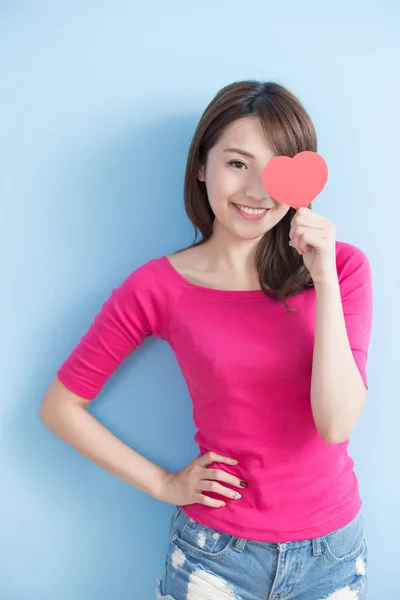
(310, 214)
(217, 488)
(309, 237)
(292, 245)
(294, 227)
(310, 219)
(211, 457)
(220, 475)
(207, 501)
(296, 237)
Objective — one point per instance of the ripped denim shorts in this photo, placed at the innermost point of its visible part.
(203, 564)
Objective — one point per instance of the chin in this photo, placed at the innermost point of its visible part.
(250, 236)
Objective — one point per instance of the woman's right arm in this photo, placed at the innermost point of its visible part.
(66, 415)
(135, 310)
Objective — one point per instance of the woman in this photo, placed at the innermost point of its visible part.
(269, 318)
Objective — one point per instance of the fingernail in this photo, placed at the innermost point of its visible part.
(243, 484)
(237, 495)
(234, 461)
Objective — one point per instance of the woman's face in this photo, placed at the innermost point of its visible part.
(233, 178)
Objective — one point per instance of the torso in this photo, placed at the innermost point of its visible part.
(193, 265)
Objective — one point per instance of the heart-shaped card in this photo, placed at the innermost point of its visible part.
(295, 181)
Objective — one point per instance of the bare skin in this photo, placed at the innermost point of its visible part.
(196, 266)
(66, 415)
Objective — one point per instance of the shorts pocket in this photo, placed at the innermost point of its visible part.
(346, 543)
(200, 540)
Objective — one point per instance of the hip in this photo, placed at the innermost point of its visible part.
(203, 561)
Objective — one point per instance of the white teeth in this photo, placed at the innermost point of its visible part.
(251, 211)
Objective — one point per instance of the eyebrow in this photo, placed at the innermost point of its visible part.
(239, 151)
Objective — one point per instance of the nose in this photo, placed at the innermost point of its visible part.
(256, 191)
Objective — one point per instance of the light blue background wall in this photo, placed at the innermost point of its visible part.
(98, 104)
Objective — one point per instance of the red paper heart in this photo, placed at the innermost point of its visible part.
(295, 181)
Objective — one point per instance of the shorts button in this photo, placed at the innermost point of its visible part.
(216, 536)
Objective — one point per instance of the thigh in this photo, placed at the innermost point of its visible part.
(204, 563)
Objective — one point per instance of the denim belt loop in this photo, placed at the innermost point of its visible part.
(317, 546)
(240, 544)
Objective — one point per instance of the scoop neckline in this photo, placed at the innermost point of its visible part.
(213, 291)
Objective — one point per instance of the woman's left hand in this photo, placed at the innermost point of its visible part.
(314, 237)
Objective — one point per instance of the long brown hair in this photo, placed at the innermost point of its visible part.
(289, 130)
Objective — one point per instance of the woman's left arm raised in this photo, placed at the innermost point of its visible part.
(342, 327)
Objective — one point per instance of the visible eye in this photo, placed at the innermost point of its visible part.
(237, 162)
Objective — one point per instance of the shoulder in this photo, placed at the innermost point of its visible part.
(350, 259)
(354, 273)
(156, 279)
(150, 293)
(146, 272)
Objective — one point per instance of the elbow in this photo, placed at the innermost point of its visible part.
(334, 437)
(42, 413)
(340, 430)
(57, 401)
(46, 414)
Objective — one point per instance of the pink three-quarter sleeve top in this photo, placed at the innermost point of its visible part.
(247, 364)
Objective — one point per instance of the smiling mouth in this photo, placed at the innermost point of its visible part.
(256, 210)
